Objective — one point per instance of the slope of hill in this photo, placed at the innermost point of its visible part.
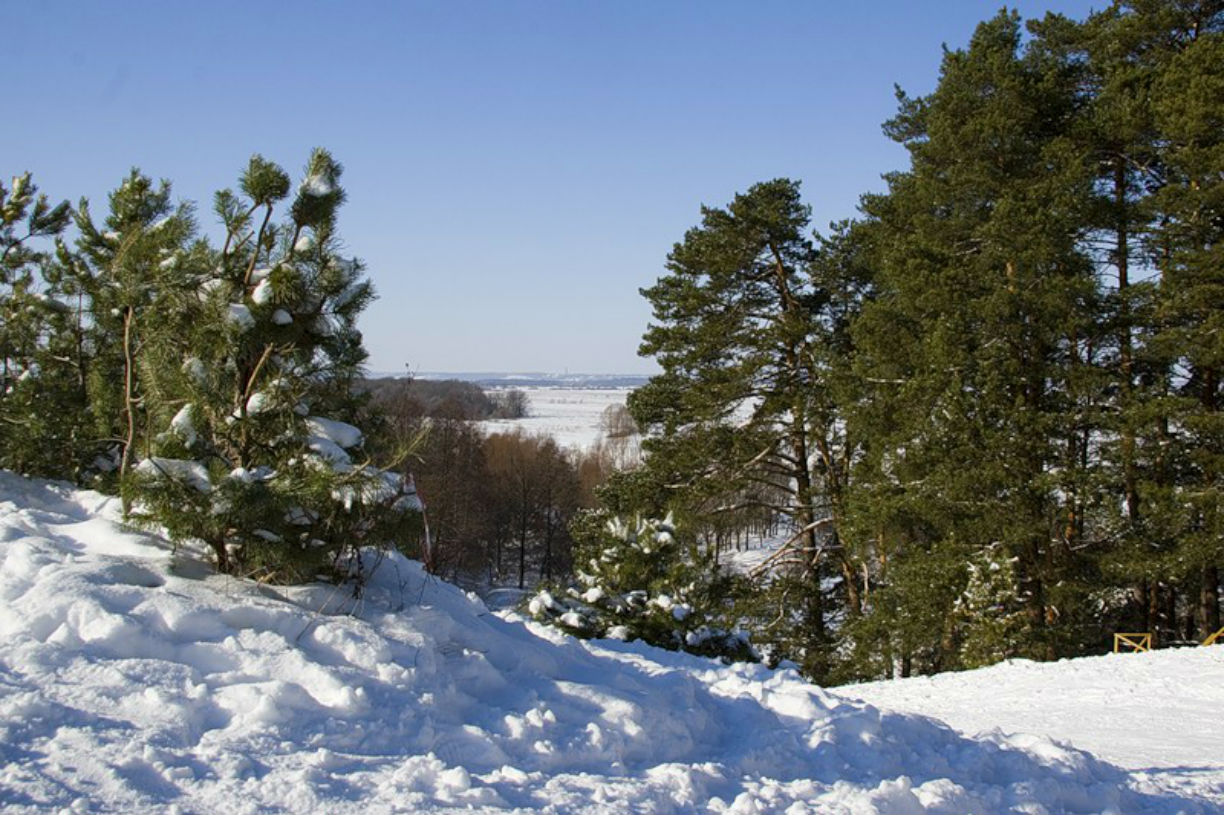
(1155, 714)
(133, 680)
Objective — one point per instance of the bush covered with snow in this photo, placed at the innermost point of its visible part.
(635, 581)
(245, 444)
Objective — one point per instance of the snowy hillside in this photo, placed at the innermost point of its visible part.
(1156, 714)
(133, 680)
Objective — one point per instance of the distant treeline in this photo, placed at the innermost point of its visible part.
(445, 399)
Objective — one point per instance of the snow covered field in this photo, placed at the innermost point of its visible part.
(133, 680)
(570, 415)
(1156, 714)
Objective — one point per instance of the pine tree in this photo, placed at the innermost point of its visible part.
(741, 417)
(1190, 333)
(250, 448)
(133, 273)
(1134, 65)
(39, 403)
(635, 580)
(965, 349)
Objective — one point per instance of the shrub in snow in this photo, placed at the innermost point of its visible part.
(991, 610)
(249, 449)
(636, 581)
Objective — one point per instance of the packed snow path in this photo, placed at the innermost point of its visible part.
(132, 680)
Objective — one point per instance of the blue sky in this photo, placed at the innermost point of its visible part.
(516, 171)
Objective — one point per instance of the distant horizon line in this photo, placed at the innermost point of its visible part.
(514, 373)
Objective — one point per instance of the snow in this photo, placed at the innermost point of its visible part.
(323, 325)
(183, 425)
(345, 435)
(252, 476)
(133, 680)
(755, 553)
(262, 295)
(194, 368)
(1151, 717)
(240, 316)
(571, 416)
(346, 296)
(176, 469)
(260, 402)
(330, 452)
(213, 284)
(317, 185)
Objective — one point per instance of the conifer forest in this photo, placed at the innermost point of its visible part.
(984, 414)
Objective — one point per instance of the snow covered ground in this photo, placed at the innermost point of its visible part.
(570, 415)
(755, 554)
(1156, 714)
(133, 680)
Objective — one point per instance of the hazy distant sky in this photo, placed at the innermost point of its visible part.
(516, 171)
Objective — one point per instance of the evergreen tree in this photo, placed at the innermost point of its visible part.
(249, 449)
(1135, 67)
(39, 400)
(965, 351)
(741, 412)
(1190, 327)
(134, 274)
(637, 581)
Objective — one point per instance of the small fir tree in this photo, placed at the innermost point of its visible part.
(135, 272)
(993, 625)
(637, 581)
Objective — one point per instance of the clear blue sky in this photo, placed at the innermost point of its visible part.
(516, 171)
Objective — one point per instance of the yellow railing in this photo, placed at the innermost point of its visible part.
(1214, 638)
(1134, 643)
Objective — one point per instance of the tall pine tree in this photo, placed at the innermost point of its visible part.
(966, 350)
(742, 416)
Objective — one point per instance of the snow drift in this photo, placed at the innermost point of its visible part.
(133, 680)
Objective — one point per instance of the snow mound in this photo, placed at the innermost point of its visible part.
(132, 680)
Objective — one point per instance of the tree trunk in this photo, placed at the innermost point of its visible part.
(1125, 352)
(1157, 606)
(1209, 602)
(807, 521)
(548, 540)
(129, 400)
(223, 562)
(854, 597)
(522, 561)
